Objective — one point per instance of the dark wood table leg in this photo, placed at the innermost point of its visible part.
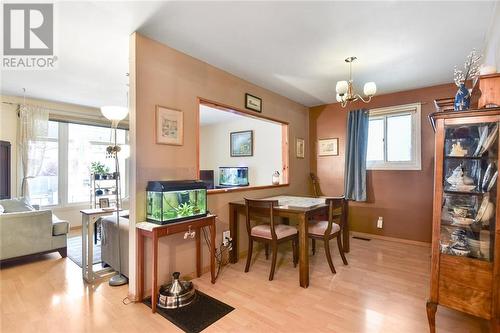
(140, 265)
(212, 251)
(154, 273)
(303, 252)
(233, 229)
(345, 232)
(198, 252)
(431, 315)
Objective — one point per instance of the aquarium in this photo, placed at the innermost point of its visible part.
(233, 176)
(174, 201)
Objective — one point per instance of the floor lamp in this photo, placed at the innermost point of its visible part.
(116, 114)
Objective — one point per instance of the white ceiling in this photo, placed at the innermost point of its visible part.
(211, 116)
(296, 49)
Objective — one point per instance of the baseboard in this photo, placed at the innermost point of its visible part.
(390, 239)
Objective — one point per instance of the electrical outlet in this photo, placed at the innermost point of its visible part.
(380, 222)
(226, 238)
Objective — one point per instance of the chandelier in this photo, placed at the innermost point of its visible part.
(345, 93)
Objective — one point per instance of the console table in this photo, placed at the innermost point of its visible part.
(156, 231)
(89, 219)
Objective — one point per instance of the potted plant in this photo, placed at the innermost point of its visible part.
(99, 170)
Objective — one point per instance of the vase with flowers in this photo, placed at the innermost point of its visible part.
(470, 72)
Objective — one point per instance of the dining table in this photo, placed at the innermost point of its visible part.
(295, 208)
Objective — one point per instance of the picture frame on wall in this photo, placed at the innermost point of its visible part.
(300, 147)
(328, 147)
(169, 126)
(253, 103)
(103, 202)
(241, 143)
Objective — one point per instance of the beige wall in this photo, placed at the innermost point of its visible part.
(266, 159)
(161, 75)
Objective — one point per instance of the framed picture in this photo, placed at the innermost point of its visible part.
(103, 202)
(169, 126)
(253, 103)
(300, 148)
(328, 147)
(241, 143)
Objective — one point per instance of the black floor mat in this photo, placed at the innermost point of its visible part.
(195, 317)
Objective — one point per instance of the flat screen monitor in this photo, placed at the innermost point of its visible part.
(233, 176)
(207, 176)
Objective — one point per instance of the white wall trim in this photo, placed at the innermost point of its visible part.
(415, 109)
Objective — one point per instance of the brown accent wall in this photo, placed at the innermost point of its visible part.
(402, 198)
(164, 76)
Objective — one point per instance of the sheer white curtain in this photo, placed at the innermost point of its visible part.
(33, 132)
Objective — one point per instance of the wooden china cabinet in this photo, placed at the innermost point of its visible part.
(465, 266)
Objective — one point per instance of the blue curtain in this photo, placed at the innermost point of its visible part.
(355, 155)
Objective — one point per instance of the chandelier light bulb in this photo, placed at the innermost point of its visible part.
(339, 98)
(370, 88)
(341, 87)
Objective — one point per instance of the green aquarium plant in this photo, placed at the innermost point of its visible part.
(185, 209)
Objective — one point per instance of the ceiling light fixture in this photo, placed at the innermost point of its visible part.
(345, 93)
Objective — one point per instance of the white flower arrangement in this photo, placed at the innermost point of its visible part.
(471, 69)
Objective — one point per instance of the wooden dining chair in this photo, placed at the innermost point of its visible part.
(332, 228)
(271, 234)
(315, 185)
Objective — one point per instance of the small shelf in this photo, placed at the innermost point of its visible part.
(465, 193)
(470, 157)
(105, 195)
(445, 223)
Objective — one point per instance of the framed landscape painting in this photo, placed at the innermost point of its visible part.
(241, 143)
(328, 147)
(169, 126)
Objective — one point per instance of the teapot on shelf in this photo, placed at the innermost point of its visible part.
(459, 181)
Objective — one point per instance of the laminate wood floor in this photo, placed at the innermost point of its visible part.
(383, 290)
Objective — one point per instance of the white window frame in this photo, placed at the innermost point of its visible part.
(415, 163)
(63, 142)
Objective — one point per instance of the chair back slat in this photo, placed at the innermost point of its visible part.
(261, 208)
(337, 208)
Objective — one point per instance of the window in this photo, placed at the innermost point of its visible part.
(44, 189)
(238, 150)
(65, 174)
(394, 138)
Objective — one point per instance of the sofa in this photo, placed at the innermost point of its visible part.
(25, 230)
(109, 242)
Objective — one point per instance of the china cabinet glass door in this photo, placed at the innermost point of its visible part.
(470, 173)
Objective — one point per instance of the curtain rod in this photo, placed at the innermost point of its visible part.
(49, 108)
